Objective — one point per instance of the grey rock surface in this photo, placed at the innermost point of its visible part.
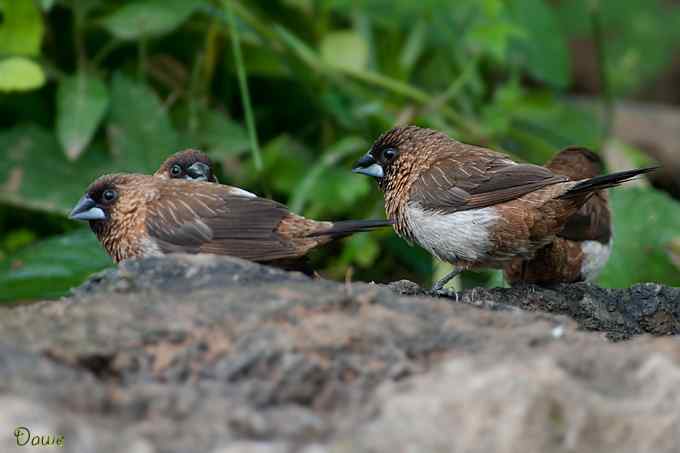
(212, 354)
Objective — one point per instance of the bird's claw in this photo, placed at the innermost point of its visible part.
(443, 292)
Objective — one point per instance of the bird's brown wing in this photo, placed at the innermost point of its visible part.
(591, 223)
(452, 185)
(213, 220)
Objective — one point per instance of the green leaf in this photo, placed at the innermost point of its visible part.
(140, 132)
(362, 249)
(497, 115)
(645, 224)
(544, 48)
(545, 120)
(674, 251)
(46, 5)
(20, 74)
(306, 6)
(21, 28)
(17, 239)
(149, 18)
(305, 189)
(48, 269)
(646, 31)
(286, 162)
(222, 136)
(486, 278)
(345, 49)
(414, 46)
(493, 37)
(82, 101)
(35, 174)
(336, 189)
(417, 259)
(263, 61)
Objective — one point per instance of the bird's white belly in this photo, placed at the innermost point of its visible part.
(595, 257)
(463, 235)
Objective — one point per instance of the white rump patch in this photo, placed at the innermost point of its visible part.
(595, 257)
(452, 237)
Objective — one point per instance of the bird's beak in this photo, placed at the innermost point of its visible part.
(198, 171)
(87, 209)
(368, 166)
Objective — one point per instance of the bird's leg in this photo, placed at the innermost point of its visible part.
(438, 287)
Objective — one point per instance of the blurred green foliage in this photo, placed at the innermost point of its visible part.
(95, 86)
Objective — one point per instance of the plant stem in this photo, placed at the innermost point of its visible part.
(78, 41)
(243, 85)
(312, 59)
(142, 55)
(605, 86)
(210, 55)
(193, 95)
(454, 88)
(105, 50)
(418, 95)
(253, 21)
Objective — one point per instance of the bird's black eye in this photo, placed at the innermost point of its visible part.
(389, 153)
(108, 196)
(176, 170)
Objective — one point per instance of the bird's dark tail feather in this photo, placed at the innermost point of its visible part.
(346, 227)
(604, 182)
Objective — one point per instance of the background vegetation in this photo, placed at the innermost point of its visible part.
(285, 94)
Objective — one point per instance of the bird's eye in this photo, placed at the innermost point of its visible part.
(389, 153)
(109, 196)
(176, 170)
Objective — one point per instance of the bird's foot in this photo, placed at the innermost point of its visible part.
(443, 292)
(438, 288)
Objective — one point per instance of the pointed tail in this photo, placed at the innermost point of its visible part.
(347, 227)
(604, 182)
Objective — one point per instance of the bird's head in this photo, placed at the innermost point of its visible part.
(97, 203)
(577, 163)
(189, 164)
(115, 207)
(110, 200)
(395, 152)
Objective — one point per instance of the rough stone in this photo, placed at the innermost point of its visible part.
(203, 353)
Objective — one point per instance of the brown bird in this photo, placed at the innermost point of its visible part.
(194, 165)
(582, 248)
(188, 164)
(138, 215)
(468, 205)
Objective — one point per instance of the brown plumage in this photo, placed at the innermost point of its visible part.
(194, 165)
(138, 215)
(582, 248)
(471, 206)
(187, 164)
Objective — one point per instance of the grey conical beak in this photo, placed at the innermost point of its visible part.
(368, 166)
(198, 171)
(86, 209)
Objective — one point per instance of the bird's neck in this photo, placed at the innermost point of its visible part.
(397, 188)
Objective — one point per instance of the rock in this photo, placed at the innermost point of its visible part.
(620, 313)
(204, 353)
(534, 405)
